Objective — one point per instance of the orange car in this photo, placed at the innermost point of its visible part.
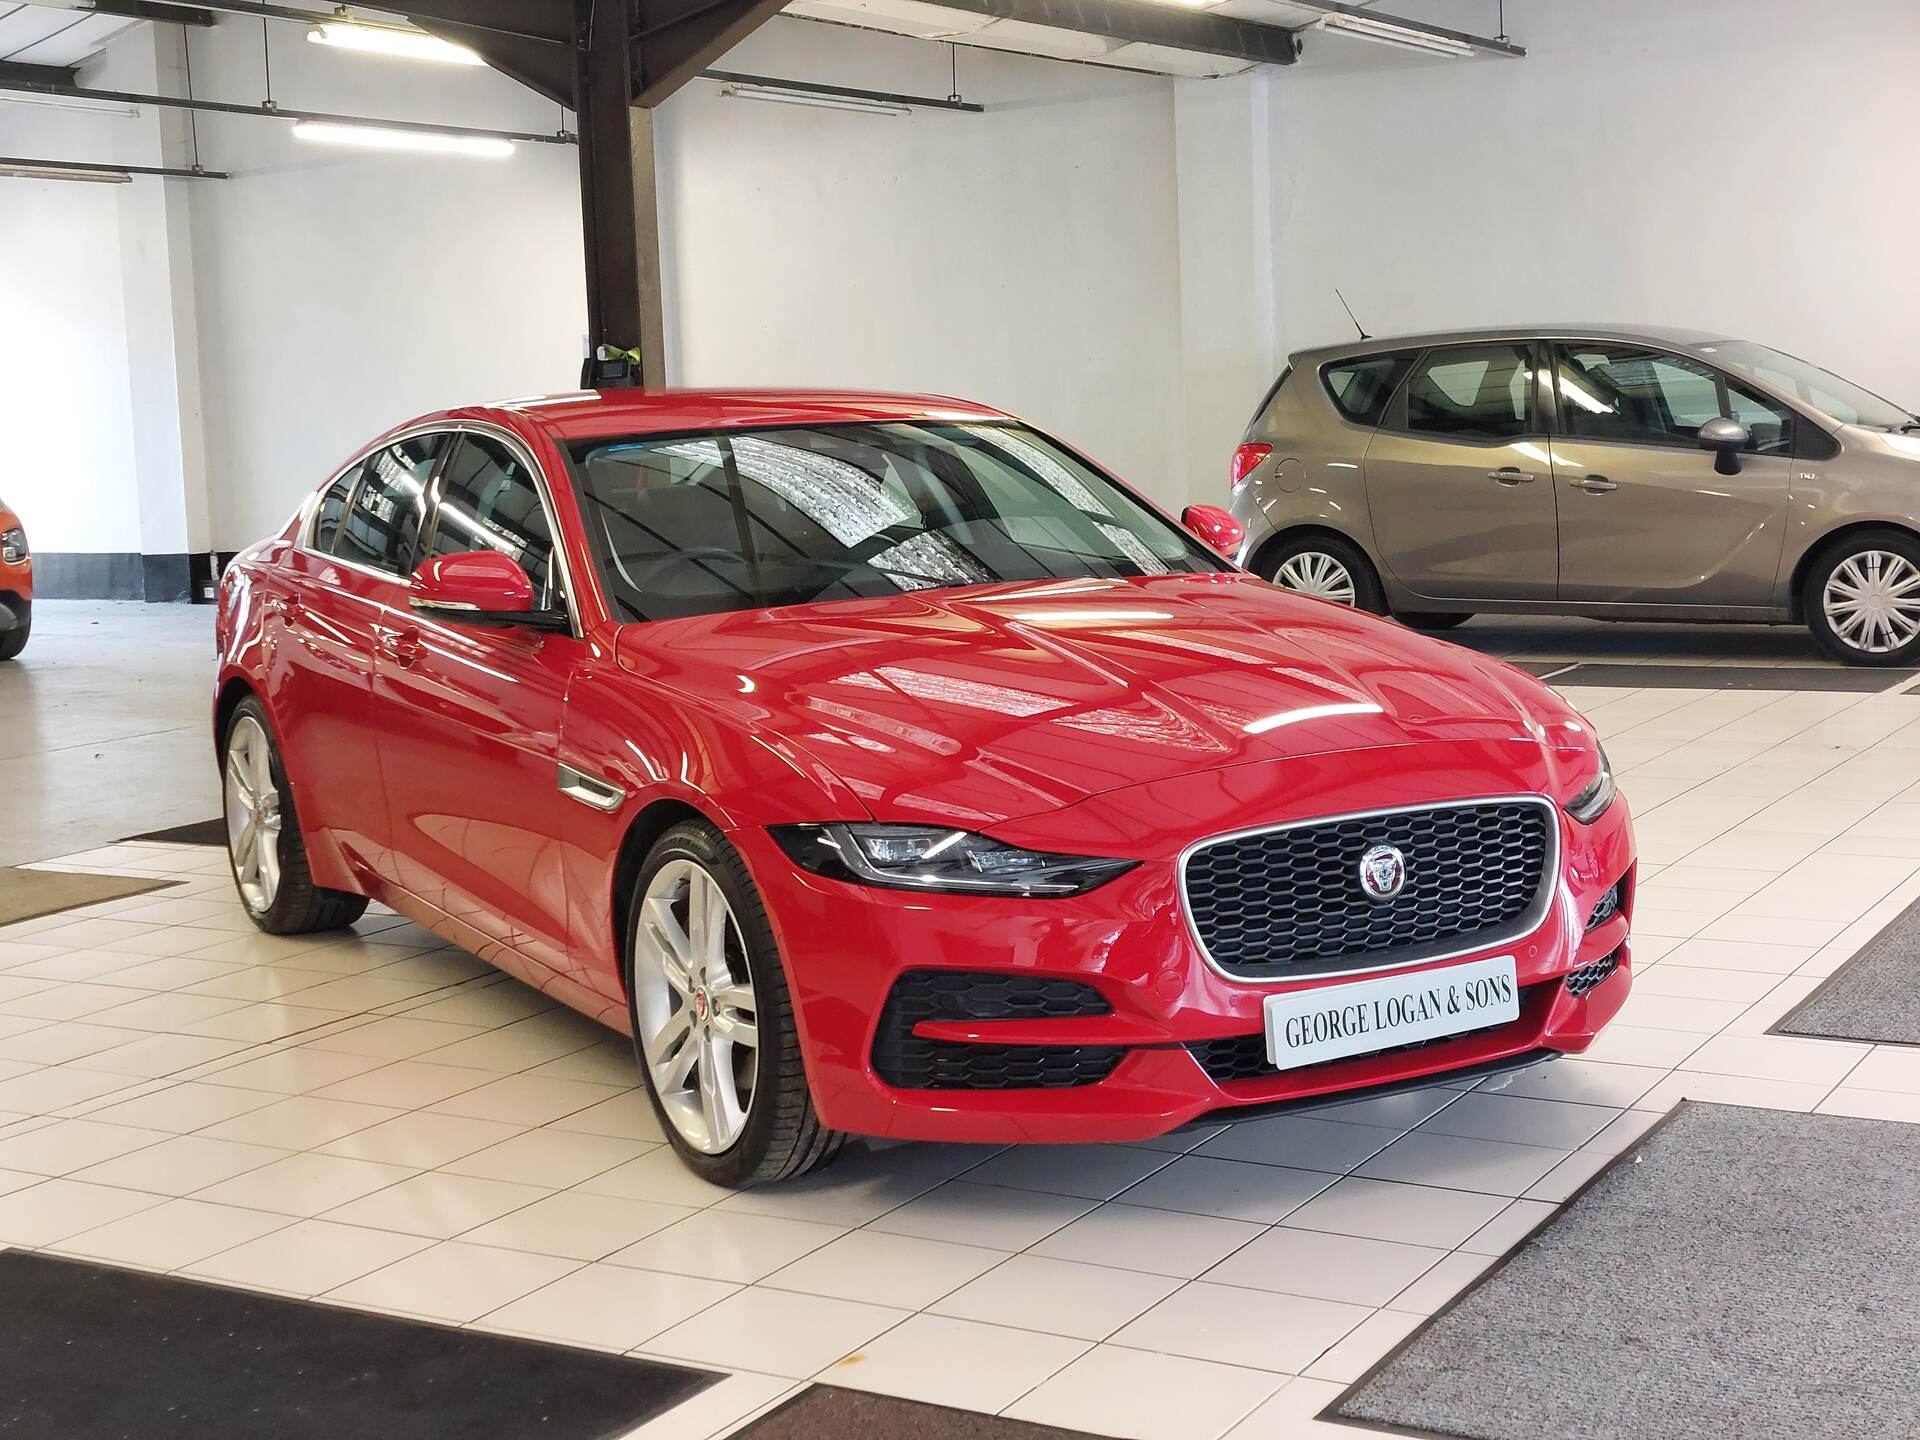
(16, 585)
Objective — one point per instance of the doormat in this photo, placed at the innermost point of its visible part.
(1874, 996)
(826, 1412)
(93, 1352)
(27, 894)
(201, 832)
(1738, 1272)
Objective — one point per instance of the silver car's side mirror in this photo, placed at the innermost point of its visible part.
(1726, 438)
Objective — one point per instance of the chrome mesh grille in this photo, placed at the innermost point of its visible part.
(1287, 902)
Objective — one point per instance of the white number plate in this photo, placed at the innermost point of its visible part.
(1308, 1026)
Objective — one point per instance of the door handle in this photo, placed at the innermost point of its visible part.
(400, 646)
(1510, 475)
(1596, 485)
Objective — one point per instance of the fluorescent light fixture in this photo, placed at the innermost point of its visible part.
(34, 170)
(382, 137)
(68, 102)
(1386, 32)
(735, 91)
(391, 40)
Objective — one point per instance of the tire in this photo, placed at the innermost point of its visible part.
(1882, 626)
(281, 898)
(1430, 619)
(1296, 564)
(779, 1135)
(15, 640)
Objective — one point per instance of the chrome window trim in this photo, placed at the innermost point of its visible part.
(303, 539)
(1528, 922)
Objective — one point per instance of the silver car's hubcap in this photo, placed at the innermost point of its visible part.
(1872, 601)
(694, 997)
(1316, 573)
(253, 814)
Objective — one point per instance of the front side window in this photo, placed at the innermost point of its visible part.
(382, 525)
(1642, 396)
(490, 501)
(1822, 389)
(1360, 389)
(1472, 392)
(746, 520)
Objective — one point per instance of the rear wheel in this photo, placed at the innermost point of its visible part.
(712, 1018)
(264, 845)
(1327, 568)
(1430, 619)
(1862, 599)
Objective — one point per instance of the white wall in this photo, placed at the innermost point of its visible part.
(1735, 166)
(65, 407)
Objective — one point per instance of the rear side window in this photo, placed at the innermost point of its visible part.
(332, 510)
(1360, 389)
(382, 525)
(1472, 392)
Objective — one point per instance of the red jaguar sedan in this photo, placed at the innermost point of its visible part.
(887, 768)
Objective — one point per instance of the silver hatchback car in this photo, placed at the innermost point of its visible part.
(1583, 470)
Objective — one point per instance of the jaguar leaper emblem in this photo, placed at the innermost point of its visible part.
(1383, 872)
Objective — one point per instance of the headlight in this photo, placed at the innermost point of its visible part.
(928, 857)
(13, 545)
(1592, 801)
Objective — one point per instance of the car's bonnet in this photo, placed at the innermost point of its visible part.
(977, 705)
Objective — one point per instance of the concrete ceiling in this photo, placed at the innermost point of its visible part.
(45, 34)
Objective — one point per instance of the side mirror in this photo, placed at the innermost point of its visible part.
(1726, 438)
(479, 587)
(1215, 526)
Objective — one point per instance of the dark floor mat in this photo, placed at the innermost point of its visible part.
(1737, 1273)
(201, 832)
(27, 894)
(1864, 680)
(1874, 996)
(826, 1412)
(97, 1353)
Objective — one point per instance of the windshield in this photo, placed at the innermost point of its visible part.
(1822, 389)
(738, 520)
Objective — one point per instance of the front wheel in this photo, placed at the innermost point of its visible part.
(15, 640)
(1862, 599)
(712, 1018)
(264, 844)
(1327, 568)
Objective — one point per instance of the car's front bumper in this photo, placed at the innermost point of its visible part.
(845, 947)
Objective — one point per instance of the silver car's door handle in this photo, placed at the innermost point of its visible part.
(1596, 485)
(1509, 475)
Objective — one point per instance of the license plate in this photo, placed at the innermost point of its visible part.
(1308, 1026)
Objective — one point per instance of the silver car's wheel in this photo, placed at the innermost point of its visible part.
(1316, 573)
(693, 997)
(1872, 602)
(253, 814)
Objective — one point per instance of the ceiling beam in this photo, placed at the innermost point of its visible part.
(1148, 23)
(198, 15)
(20, 72)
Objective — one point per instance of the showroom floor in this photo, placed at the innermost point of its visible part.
(385, 1122)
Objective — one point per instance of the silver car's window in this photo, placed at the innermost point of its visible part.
(734, 520)
(1643, 396)
(1472, 392)
(1360, 388)
(1822, 389)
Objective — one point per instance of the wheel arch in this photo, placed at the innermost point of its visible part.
(1825, 545)
(1261, 553)
(235, 689)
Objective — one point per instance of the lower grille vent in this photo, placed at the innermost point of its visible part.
(1589, 978)
(909, 1062)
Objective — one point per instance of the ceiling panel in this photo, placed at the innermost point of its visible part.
(54, 35)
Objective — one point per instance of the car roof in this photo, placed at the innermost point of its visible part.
(585, 413)
(1650, 334)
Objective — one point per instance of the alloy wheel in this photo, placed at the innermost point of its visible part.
(693, 997)
(1872, 601)
(253, 814)
(1316, 573)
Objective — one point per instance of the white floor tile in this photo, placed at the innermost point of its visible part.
(1093, 1172)
(1455, 1162)
(69, 1145)
(1346, 1268)
(1410, 1214)
(1162, 1242)
(942, 1361)
(180, 1165)
(1061, 1297)
(994, 1216)
(1520, 1120)
(1230, 1189)
(304, 1184)
(1301, 1142)
(1254, 1328)
(904, 1271)
(777, 1332)
(724, 1245)
(309, 1257)
(453, 1281)
(579, 1226)
(49, 1212)
(176, 1233)
(549, 1157)
(437, 1204)
(608, 1307)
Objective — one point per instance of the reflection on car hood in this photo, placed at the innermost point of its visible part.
(975, 705)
